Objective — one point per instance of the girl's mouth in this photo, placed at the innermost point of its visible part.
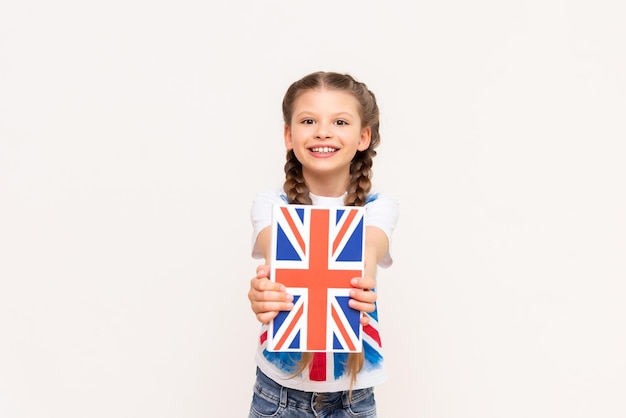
(323, 150)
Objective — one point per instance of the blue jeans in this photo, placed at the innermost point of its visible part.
(273, 400)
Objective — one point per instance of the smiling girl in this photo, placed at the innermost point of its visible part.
(331, 132)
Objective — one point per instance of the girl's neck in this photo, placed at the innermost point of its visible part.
(328, 184)
(327, 188)
(328, 192)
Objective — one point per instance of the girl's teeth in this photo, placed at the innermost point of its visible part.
(323, 149)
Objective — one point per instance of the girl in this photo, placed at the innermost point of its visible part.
(331, 132)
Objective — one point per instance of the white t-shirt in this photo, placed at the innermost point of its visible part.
(327, 372)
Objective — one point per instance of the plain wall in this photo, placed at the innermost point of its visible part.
(134, 135)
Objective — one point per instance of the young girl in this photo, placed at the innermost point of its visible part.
(331, 132)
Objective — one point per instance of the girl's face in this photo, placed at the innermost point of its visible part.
(325, 133)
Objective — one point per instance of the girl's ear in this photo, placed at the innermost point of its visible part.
(366, 138)
(287, 135)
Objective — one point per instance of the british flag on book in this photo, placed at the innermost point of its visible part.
(315, 252)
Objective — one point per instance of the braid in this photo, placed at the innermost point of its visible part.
(360, 178)
(296, 189)
(360, 185)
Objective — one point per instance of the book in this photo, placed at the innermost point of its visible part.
(315, 253)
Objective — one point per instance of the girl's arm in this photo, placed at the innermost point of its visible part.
(362, 298)
(267, 297)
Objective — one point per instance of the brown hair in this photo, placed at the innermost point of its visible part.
(360, 168)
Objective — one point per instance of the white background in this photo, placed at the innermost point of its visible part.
(134, 135)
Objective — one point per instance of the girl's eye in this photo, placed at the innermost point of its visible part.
(308, 121)
(341, 122)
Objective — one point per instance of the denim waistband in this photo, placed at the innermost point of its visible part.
(293, 398)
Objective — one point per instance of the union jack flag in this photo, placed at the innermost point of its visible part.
(315, 252)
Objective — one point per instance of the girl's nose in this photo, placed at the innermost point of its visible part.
(322, 131)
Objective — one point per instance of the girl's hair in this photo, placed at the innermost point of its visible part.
(360, 168)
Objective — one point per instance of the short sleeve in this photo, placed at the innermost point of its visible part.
(261, 215)
(382, 211)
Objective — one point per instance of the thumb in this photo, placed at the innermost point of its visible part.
(262, 271)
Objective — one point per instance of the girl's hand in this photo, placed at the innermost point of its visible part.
(267, 297)
(362, 297)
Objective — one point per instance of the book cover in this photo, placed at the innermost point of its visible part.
(316, 251)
